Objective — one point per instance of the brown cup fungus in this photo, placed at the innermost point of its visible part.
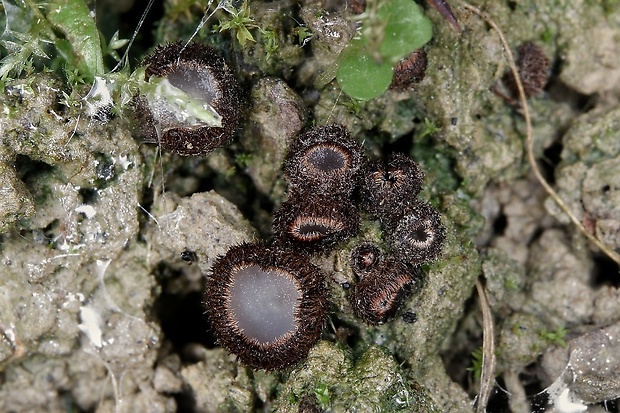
(418, 236)
(266, 305)
(314, 223)
(191, 102)
(381, 288)
(323, 160)
(387, 187)
(533, 67)
(409, 71)
(365, 258)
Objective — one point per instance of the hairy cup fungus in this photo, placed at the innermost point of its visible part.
(410, 70)
(324, 160)
(387, 187)
(417, 237)
(266, 305)
(365, 258)
(379, 292)
(533, 68)
(190, 103)
(313, 222)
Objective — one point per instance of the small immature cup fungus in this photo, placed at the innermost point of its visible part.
(365, 258)
(266, 305)
(324, 160)
(387, 187)
(418, 236)
(533, 66)
(314, 223)
(190, 103)
(409, 71)
(379, 292)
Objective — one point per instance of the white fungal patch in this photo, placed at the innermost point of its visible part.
(87, 210)
(123, 161)
(560, 395)
(91, 325)
(564, 403)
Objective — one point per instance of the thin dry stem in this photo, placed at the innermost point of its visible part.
(487, 376)
(529, 137)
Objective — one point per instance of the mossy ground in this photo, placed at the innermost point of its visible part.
(94, 222)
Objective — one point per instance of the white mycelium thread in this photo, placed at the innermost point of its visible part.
(264, 303)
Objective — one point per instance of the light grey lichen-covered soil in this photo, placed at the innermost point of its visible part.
(104, 245)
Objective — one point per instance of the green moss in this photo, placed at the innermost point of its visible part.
(555, 337)
(372, 381)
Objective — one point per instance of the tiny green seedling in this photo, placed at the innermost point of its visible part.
(271, 41)
(322, 394)
(303, 34)
(240, 22)
(476, 363)
(429, 128)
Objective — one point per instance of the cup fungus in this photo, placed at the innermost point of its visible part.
(379, 292)
(533, 68)
(365, 258)
(409, 71)
(418, 236)
(314, 223)
(266, 305)
(191, 102)
(323, 160)
(387, 187)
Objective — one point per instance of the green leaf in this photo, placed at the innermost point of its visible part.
(408, 29)
(321, 392)
(360, 76)
(244, 36)
(73, 18)
(303, 34)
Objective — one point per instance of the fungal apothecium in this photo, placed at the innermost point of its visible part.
(323, 160)
(191, 102)
(314, 224)
(267, 305)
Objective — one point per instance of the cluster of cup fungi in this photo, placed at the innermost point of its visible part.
(266, 302)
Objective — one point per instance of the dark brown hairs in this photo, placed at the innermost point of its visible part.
(387, 187)
(409, 71)
(379, 292)
(533, 68)
(266, 305)
(314, 222)
(417, 237)
(200, 72)
(323, 160)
